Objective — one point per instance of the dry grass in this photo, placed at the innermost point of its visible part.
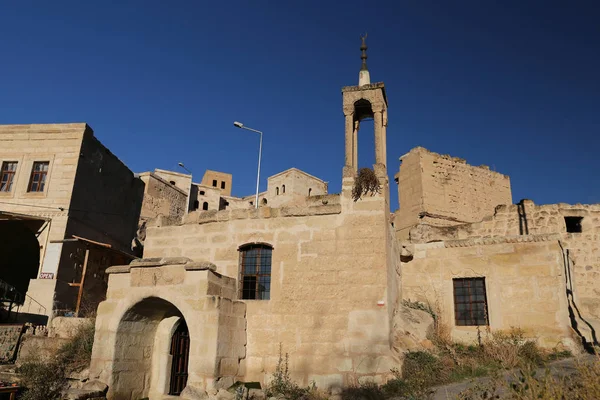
(46, 379)
(584, 384)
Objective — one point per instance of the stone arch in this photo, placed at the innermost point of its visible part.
(141, 349)
(20, 258)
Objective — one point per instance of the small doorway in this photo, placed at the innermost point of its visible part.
(180, 350)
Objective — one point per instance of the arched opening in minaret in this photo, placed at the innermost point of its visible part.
(364, 135)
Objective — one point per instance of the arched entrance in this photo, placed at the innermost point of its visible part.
(20, 257)
(152, 351)
(180, 353)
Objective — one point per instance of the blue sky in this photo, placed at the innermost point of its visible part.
(514, 85)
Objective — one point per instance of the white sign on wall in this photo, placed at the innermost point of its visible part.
(52, 258)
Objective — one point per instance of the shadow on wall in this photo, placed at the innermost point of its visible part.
(588, 345)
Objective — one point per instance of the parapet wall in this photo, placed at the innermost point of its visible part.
(444, 191)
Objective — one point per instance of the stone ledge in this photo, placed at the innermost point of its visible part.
(501, 239)
(328, 205)
(189, 264)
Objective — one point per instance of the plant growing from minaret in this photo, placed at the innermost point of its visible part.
(366, 182)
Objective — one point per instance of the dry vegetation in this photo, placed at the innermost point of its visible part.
(46, 379)
(449, 361)
(366, 182)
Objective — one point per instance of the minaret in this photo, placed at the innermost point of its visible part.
(363, 76)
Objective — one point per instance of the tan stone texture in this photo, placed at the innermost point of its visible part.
(442, 190)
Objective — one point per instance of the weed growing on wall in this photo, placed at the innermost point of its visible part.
(366, 182)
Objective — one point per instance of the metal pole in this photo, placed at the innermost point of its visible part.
(258, 174)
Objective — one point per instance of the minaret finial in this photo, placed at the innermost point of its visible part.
(363, 76)
(363, 56)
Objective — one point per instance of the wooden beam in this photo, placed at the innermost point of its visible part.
(80, 294)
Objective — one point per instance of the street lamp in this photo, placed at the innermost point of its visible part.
(183, 166)
(241, 126)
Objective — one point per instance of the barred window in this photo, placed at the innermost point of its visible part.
(39, 172)
(7, 175)
(255, 271)
(470, 302)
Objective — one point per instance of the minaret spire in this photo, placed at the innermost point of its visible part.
(363, 76)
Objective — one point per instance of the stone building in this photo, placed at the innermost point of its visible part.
(68, 208)
(330, 279)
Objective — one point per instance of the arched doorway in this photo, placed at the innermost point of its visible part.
(180, 353)
(20, 258)
(152, 351)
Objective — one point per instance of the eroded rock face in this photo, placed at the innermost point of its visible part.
(411, 327)
(193, 393)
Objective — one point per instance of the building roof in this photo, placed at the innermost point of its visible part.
(296, 170)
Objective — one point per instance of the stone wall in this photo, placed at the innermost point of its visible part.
(442, 190)
(107, 198)
(329, 296)
(162, 198)
(221, 178)
(182, 181)
(524, 279)
(59, 144)
(530, 219)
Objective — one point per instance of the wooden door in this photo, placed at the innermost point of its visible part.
(180, 350)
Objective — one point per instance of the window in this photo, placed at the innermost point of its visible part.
(255, 271)
(277, 191)
(202, 193)
(7, 176)
(172, 182)
(573, 224)
(222, 185)
(264, 201)
(309, 190)
(282, 189)
(196, 204)
(214, 183)
(205, 206)
(37, 182)
(470, 303)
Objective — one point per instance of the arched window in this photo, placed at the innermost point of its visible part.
(264, 201)
(309, 190)
(255, 271)
(205, 206)
(277, 191)
(282, 189)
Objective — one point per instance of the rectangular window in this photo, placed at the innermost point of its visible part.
(39, 172)
(214, 183)
(573, 224)
(222, 185)
(470, 302)
(255, 272)
(7, 175)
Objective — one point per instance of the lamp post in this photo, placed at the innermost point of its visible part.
(241, 126)
(183, 166)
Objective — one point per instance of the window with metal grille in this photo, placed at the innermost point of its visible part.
(39, 172)
(255, 271)
(470, 302)
(7, 176)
